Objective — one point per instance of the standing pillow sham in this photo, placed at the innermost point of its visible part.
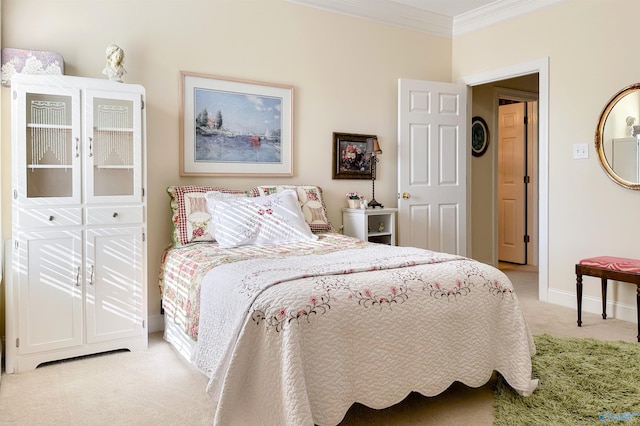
(271, 219)
(310, 200)
(189, 213)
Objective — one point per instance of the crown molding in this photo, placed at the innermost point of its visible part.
(399, 15)
(387, 12)
(495, 12)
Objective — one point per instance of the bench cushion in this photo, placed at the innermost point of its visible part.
(613, 263)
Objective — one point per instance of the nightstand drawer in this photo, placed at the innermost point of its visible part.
(40, 218)
(114, 215)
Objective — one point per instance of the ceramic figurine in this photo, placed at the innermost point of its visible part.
(114, 69)
(630, 122)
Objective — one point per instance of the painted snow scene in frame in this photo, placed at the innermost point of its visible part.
(235, 127)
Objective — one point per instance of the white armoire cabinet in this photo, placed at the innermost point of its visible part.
(77, 281)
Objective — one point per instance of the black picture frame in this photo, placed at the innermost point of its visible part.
(479, 136)
(350, 157)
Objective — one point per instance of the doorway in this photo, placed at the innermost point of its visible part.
(487, 251)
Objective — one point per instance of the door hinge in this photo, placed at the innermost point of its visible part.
(142, 323)
(16, 244)
(143, 236)
(526, 238)
(143, 192)
(17, 342)
(141, 102)
(15, 194)
(527, 179)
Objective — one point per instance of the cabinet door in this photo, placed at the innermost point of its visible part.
(46, 144)
(47, 273)
(115, 288)
(113, 146)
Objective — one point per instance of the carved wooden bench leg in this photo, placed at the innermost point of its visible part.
(604, 298)
(638, 308)
(579, 296)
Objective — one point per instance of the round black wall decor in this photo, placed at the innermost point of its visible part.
(479, 136)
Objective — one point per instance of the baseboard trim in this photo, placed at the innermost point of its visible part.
(592, 305)
(156, 323)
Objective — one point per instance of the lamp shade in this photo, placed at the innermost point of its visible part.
(373, 147)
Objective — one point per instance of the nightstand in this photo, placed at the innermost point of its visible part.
(374, 225)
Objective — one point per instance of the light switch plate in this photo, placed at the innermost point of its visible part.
(580, 150)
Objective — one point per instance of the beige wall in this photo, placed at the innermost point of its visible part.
(344, 70)
(590, 45)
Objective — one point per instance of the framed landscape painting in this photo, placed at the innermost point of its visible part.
(235, 127)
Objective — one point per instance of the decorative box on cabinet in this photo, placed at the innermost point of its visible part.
(374, 225)
(78, 258)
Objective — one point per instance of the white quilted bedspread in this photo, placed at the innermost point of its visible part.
(296, 341)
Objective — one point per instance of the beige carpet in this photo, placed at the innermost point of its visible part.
(158, 387)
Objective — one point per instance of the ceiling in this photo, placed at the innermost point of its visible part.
(446, 18)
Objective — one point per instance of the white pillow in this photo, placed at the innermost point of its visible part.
(272, 219)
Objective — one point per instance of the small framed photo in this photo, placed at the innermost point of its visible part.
(235, 127)
(351, 158)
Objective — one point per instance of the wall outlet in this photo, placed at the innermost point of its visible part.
(580, 150)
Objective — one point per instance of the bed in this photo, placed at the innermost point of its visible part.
(294, 331)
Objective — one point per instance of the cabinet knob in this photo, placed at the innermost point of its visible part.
(115, 214)
(406, 195)
(51, 218)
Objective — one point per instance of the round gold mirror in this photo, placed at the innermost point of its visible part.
(618, 136)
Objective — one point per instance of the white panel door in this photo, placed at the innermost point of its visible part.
(114, 293)
(511, 184)
(49, 290)
(432, 165)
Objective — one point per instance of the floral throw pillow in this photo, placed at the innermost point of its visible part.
(310, 200)
(189, 213)
(271, 219)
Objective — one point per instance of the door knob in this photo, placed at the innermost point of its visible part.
(406, 195)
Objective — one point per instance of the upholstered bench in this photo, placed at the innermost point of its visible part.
(608, 267)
